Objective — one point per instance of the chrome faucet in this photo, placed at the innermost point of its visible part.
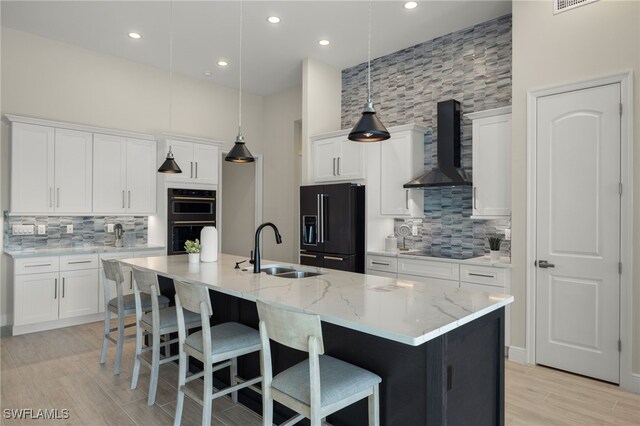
(256, 250)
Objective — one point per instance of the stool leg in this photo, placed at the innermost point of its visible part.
(136, 359)
(267, 407)
(182, 378)
(206, 397)
(155, 368)
(105, 341)
(233, 372)
(374, 407)
(120, 342)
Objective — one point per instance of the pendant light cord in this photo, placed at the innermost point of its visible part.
(240, 68)
(171, 67)
(369, 59)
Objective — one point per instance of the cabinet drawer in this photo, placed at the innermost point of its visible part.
(481, 287)
(483, 275)
(382, 263)
(429, 268)
(76, 262)
(36, 265)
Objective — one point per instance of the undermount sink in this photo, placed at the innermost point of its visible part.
(287, 272)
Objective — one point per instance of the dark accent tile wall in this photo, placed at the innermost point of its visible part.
(472, 66)
(87, 230)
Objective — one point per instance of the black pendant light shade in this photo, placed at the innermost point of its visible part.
(169, 165)
(239, 153)
(369, 128)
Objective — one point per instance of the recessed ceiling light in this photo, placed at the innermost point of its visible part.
(135, 36)
(410, 5)
(207, 73)
(324, 42)
(273, 20)
(222, 63)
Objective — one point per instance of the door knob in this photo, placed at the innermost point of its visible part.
(544, 264)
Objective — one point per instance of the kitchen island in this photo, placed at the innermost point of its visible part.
(439, 350)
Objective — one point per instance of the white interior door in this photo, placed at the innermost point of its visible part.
(578, 231)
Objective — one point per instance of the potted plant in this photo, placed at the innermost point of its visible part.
(494, 248)
(193, 249)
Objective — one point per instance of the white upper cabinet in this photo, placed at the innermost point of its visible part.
(199, 162)
(124, 175)
(401, 160)
(335, 158)
(73, 171)
(51, 170)
(491, 163)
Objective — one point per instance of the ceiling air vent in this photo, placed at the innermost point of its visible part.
(564, 5)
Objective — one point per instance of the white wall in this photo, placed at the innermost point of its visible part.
(48, 79)
(321, 106)
(596, 40)
(281, 111)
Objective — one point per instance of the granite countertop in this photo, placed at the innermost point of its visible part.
(504, 262)
(81, 249)
(393, 309)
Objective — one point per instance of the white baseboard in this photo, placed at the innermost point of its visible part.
(632, 384)
(6, 319)
(50, 325)
(517, 354)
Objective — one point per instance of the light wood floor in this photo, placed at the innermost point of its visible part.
(60, 369)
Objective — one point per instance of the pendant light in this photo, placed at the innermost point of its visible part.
(170, 165)
(369, 128)
(240, 153)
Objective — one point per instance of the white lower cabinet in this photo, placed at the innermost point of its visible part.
(429, 280)
(68, 289)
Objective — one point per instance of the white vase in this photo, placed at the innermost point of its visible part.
(209, 244)
(494, 255)
(194, 257)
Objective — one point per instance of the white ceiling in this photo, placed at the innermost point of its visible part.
(206, 31)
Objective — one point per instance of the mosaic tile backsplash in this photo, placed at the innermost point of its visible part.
(472, 66)
(87, 230)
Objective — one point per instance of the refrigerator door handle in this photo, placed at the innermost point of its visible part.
(322, 224)
(319, 212)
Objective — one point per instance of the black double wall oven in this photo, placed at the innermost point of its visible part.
(189, 210)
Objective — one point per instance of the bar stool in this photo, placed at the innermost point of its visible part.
(121, 306)
(221, 344)
(318, 386)
(159, 322)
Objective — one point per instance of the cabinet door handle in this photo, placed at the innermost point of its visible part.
(78, 261)
(333, 258)
(338, 166)
(475, 197)
(55, 288)
(191, 174)
(129, 196)
(334, 167)
(131, 281)
(50, 197)
(406, 198)
(123, 198)
(58, 197)
(39, 264)
(481, 275)
(380, 263)
(312, 256)
(196, 170)
(63, 286)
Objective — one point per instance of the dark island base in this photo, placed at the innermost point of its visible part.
(455, 379)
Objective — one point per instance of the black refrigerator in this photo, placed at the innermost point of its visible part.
(332, 226)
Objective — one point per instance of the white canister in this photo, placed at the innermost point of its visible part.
(209, 244)
(391, 244)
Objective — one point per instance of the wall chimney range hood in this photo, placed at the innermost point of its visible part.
(447, 172)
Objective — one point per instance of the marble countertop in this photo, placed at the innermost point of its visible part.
(504, 262)
(81, 249)
(404, 311)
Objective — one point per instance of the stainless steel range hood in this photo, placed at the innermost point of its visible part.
(448, 172)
